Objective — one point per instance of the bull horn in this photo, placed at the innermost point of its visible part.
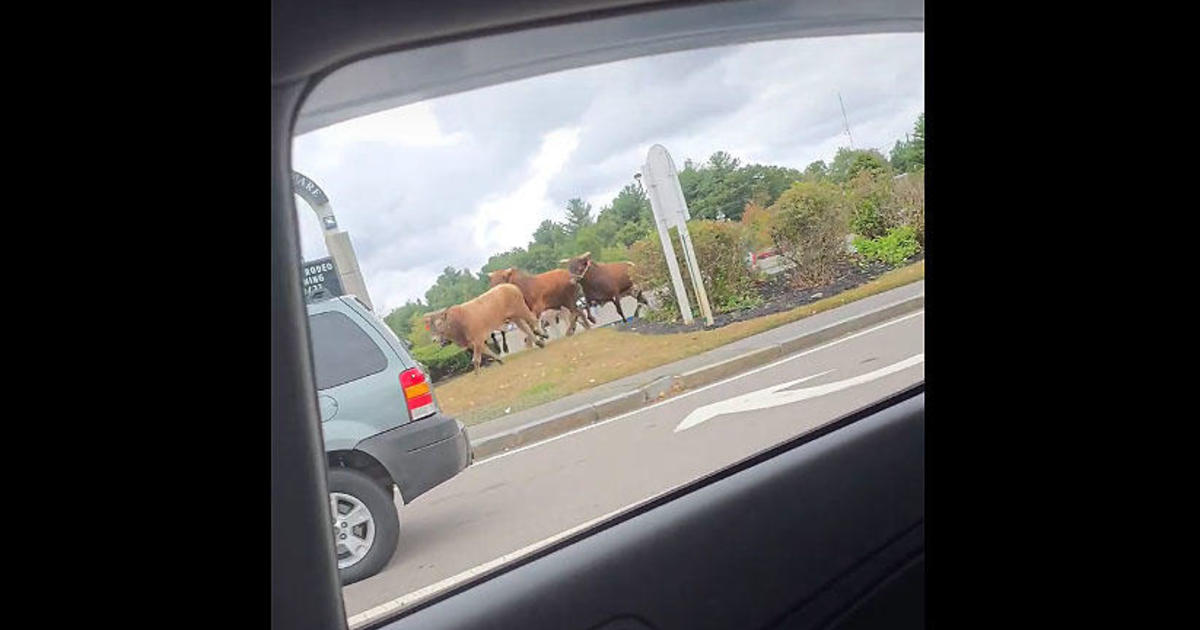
(585, 254)
(564, 261)
(630, 264)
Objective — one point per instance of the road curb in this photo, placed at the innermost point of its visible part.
(566, 421)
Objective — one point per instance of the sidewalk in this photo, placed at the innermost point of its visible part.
(663, 375)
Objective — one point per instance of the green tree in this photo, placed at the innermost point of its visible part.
(452, 287)
(625, 220)
(767, 182)
(816, 171)
(721, 189)
(549, 234)
(400, 319)
(514, 257)
(579, 215)
(632, 205)
(605, 228)
(631, 232)
(850, 162)
(588, 240)
(542, 258)
(908, 155)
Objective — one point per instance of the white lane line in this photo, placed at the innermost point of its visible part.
(691, 392)
(406, 600)
(772, 396)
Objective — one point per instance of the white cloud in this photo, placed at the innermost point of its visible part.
(506, 221)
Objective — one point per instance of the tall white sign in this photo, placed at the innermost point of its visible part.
(670, 210)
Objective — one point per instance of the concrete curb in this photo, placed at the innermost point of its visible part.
(566, 421)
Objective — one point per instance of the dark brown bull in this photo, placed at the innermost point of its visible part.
(604, 282)
(553, 290)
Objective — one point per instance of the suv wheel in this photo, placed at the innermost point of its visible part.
(366, 527)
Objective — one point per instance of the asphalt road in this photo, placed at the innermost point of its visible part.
(516, 500)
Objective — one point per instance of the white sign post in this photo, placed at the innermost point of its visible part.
(337, 241)
(670, 209)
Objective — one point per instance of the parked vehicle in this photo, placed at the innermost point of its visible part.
(382, 428)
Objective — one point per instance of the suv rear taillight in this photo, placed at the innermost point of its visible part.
(417, 394)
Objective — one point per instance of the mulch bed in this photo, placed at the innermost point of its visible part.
(778, 296)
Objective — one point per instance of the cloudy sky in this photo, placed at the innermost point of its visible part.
(454, 180)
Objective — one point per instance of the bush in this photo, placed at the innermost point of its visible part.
(897, 246)
(721, 253)
(443, 361)
(809, 225)
(615, 253)
(756, 222)
(872, 205)
(909, 195)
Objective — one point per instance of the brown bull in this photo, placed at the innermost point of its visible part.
(498, 345)
(469, 324)
(553, 290)
(604, 282)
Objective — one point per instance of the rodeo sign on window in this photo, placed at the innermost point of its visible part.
(320, 279)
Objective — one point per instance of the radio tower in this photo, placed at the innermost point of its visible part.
(845, 121)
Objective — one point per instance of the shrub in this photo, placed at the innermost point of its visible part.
(721, 253)
(897, 246)
(872, 205)
(615, 253)
(443, 361)
(909, 195)
(809, 225)
(756, 222)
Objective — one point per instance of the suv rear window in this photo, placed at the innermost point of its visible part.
(342, 352)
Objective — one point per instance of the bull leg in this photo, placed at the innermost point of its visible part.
(542, 319)
(580, 316)
(572, 319)
(527, 328)
(476, 356)
(533, 318)
(495, 358)
(617, 301)
(537, 328)
(637, 295)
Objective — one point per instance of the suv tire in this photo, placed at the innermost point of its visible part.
(349, 491)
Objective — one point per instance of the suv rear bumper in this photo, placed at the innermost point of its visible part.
(421, 454)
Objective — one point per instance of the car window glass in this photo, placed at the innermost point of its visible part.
(342, 352)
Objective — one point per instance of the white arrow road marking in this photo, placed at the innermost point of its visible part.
(772, 397)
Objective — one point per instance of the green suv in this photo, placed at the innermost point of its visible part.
(382, 430)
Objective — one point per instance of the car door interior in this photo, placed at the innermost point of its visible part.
(824, 531)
